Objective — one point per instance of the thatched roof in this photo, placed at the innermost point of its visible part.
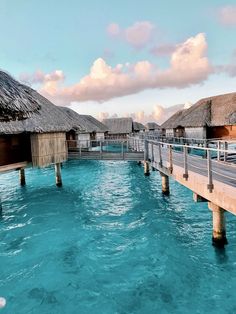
(83, 123)
(152, 126)
(49, 119)
(16, 103)
(119, 125)
(212, 111)
(137, 126)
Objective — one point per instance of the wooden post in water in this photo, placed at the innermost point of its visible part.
(146, 168)
(219, 231)
(165, 184)
(22, 176)
(58, 174)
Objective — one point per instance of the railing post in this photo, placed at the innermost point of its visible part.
(225, 153)
(185, 175)
(160, 157)
(145, 150)
(218, 150)
(152, 160)
(80, 148)
(101, 149)
(122, 150)
(170, 159)
(210, 185)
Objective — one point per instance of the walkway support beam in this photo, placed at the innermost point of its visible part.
(22, 176)
(219, 231)
(165, 184)
(58, 174)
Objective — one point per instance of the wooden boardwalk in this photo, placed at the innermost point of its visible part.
(214, 181)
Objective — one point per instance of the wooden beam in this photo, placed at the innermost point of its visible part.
(15, 166)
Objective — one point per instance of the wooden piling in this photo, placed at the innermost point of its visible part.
(146, 168)
(165, 184)
(22, 176)
(58, 174)
(219, 231)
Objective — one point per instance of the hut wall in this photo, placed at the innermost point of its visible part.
(84, 139)
(14, 148)
(228, 131)
(169, 132)
(100, 136)
(198, 132)
(48, 148)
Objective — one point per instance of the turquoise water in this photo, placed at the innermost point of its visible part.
(108, 242)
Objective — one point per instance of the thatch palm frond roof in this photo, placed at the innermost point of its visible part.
(212, 111)
(49, 119)
(83, 123)
(137, 126)
(119, 125)
(16, 103)
(152, 126)
(93, 125)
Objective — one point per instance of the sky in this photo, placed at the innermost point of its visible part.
(144, 59)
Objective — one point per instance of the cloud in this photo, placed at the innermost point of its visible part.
(227, 15)
(229, 69)
(163, 50)
(138, 35)
(159, 114)
(188, 65)
(40, 77)
(113, 29)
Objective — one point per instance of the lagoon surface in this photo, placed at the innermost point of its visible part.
(108, 242)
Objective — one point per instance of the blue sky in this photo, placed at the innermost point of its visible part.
(69, 36)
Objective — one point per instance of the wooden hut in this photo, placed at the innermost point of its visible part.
(119, 128)
(138, 127)
(152, 126)
(85, 128)
(212, 117)
(39, 140)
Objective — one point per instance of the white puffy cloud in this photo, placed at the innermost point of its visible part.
(188, 65)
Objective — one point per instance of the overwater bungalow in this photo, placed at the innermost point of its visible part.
(85, 128)
(152, 126)
(138, 127)
(212, 117)
(119, 127)
(39, 140)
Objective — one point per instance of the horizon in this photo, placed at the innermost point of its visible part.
(110, 60)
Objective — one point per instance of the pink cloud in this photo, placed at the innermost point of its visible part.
(188, 65)
(137, 35)
(227, 15)
(40, 77)
(163, 50)
(113, 29)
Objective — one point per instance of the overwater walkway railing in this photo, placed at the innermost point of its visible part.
(104, 149)
(200, 169)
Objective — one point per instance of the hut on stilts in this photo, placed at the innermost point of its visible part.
(35, 134)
